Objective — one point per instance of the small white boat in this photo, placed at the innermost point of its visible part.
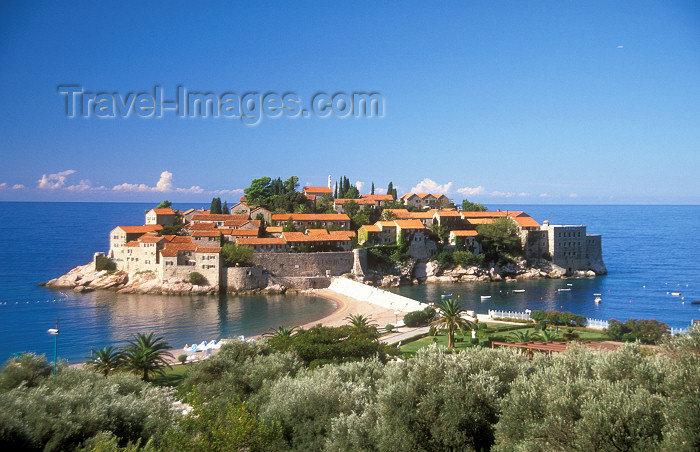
(676, 294)
(569, 285)
(446, 295)
(485, 297)
(597, 294)
(563, 290)
(598, 300)
(518, 290)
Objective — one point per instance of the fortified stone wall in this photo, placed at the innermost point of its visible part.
(245, 278)
(305, 264)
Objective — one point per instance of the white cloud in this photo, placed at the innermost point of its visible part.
(84, 185)
(235, 191)
(620, 47)
(573, 195)
(545, 195)
(18, 187)
(509, 194)
(359, 185)
(192, 189)
(430, 186)
(3, 185)
(165, 183)
(471, 191)
(54, 181)
(379, 191)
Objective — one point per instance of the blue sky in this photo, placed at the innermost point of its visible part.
(535, 102)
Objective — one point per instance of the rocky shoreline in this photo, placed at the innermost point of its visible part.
(85, 278)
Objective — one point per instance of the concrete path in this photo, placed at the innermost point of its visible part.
(404, 334)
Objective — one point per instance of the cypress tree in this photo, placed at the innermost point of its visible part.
(372, 192)
(224, 208)
(390, 190)
(336, 190)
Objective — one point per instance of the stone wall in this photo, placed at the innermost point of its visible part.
(305, 264)
(245, 278)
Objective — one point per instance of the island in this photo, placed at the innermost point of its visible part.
(278, 238)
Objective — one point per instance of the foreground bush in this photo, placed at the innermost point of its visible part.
(418, 318)
(644, 331)
(76, 405)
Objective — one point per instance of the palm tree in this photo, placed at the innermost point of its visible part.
(548, 335)
(105, 360)
(360, 320)
(450, 316)
(145, 355)
(281, 331)
(521, 336)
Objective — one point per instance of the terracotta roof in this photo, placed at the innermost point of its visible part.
(311, 217)
(469, 233)
(406, 195)
(169, 252)
(487, 214)
(386, 224)
(212, 233)
(169, 238)
(378, 197)
(150, 239)
(480, 220)
(311, 197)
(317, 232)
(255, 222)
(167, 211)
(355, 200)
(345, 233)
(274, 229)
(181, 239)
(317, 190)
(181, 246)
(140, 229)
(419, 215)
(448, 213)
(397, 211)
(243, 232)
(208, 249)
(132, 243)
(301, 237)
(525, 221)
(371, 228)
(263, 241)
(218, 217)
(409, 224)
(201, 226)
(232, 223)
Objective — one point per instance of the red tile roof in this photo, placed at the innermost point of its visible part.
(301, 237)
(212, 233)
(371, 228)
(141, 229)
(168, 252)
(132, 243)
(378, 197)
(317, 190)
(272, 229)
(181, 239)
(181, 246)
(409, 224)
(218, 217)
(201, 226)
(151, 239)
(208, 249)
(468, 233)
(448, 213)
(310, 217)
(167, 211)
(386, 224)
(261, 241)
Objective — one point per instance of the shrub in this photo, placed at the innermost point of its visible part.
(104, 263)
(236, 255)
(417, 318)
(645, 331)
(182, 359)
(197, 279)
(467, 258)
(558, 318)
(475, 341)
(389, 327)
(26, 368)
(444, 258)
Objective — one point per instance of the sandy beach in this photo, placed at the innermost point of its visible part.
(347, 306)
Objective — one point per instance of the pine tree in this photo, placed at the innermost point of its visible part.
(224, 208)
(215, 207)
(372, 191)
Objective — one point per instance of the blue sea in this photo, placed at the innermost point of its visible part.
(649, 251)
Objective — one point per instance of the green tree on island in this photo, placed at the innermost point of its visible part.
(236, 255)
(450, 317)
(499, 238)
(215, 207)
(469, 206)
(164, 205)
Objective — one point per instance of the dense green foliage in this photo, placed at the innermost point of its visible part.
(467, 258)
(558, 318)
(418, 318)
(251, 396)
(27, 368)
(146, 355)
(104, 263)
(469, 206)
(234, 255)
(215, 207)
(276, 195)
(164, 205)
(644, 331)
(346, 190)
(499, 239)
(197, 279)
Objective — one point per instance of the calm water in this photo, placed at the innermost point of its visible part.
(652, 246)
(41, 241)
(649, 251)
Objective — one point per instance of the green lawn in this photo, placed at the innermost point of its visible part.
(173, 376)
(494, 332)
